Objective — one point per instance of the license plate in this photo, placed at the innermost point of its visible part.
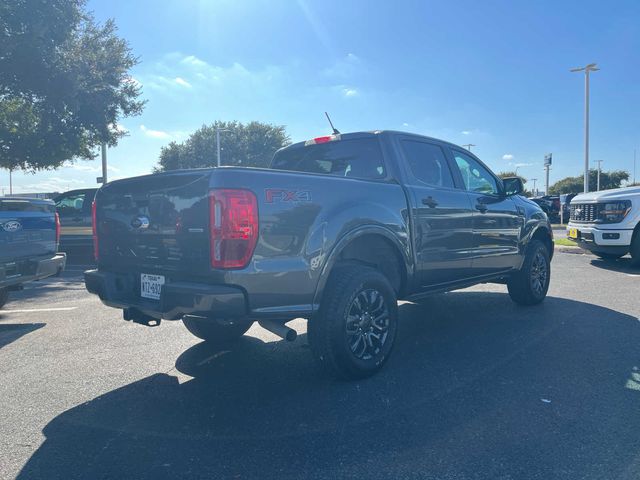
(151, 286)
(573, 233)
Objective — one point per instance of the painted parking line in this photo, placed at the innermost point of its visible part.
(40, 310)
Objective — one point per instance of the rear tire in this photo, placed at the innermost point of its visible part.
(608, 256)
(635, 249)
(529, 286)
(353, 333)
(4, 296)
(216, 331)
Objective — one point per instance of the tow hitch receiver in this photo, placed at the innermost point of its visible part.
(135, 316)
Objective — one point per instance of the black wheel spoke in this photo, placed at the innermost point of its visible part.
(367, 324)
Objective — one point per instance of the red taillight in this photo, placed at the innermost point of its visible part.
(57, 228)
(94, 227)
(233, 225)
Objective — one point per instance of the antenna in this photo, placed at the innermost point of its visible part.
(335, 130)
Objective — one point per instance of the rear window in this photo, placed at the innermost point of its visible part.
(357, 158)
(25, 206)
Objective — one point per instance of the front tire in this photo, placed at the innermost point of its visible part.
(635, 249)
(4, 296)
(353, 334)
(529, 286)
(216, 331)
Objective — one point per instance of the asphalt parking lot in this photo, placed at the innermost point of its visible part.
(477, 388)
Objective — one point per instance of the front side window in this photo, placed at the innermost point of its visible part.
(475, 176)
(357, 158)
(427, 163)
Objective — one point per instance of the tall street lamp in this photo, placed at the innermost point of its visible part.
(586, 69)
(599, 162)
(218, 130)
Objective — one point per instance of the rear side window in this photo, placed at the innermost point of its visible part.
(357, 158)
(71, 204)
(427, 163)
(25, 206)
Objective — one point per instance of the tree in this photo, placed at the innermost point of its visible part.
(64, 83)
(610, 179)
(252, 145)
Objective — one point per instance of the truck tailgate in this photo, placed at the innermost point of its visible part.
(27, 228)
(155, 222)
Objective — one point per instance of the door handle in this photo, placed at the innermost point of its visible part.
(481, 207)
(430, 202)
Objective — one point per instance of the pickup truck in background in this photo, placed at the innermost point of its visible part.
(335, 231)
(74, 209)
(607, 223)
(29, 234)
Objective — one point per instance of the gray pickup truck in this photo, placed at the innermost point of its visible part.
(29, 235)
(336, 231)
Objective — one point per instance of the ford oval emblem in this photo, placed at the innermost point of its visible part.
(12, 226)
(140, 223)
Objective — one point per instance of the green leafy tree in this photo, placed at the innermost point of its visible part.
(64, 83)
(251, 145)
(610, 179)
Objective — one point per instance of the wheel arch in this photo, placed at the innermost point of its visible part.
(366, 245)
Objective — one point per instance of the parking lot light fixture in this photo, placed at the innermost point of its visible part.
(592, 67)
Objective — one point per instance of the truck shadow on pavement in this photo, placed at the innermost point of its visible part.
(477, 387)
(10, 332)
(622, 265)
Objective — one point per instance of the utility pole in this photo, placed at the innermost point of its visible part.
(104, 163)
(218, 130)
(599, 162)
(468, 146)
(10, 181)
(535, 192)
(634, 165)
(586, 69)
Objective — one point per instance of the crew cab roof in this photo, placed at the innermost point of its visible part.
(375, 133)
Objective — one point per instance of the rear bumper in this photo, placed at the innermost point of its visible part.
(27, 270)
(176, 300)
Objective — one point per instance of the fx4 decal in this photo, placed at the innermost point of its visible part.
(274, 195)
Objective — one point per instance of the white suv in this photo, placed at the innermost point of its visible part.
(607, 222)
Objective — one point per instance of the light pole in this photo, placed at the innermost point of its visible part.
(586, 69)
(218, 130)
(599, 162)
(535, 192)
(104, 163)
(468, 146)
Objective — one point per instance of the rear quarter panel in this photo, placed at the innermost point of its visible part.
(302, 219)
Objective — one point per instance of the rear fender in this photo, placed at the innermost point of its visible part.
(345, 240)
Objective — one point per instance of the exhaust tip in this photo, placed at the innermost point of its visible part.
(279, 329)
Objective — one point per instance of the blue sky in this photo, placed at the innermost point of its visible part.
(495, 74)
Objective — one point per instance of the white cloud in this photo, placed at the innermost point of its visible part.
(345, 67)
(466, 132)
(182, 82)
(405, 124)
(349, 92)
(118, 128)
(155, 133)
(79, 167)
(194, 61)
(508, 157)
(521, 165)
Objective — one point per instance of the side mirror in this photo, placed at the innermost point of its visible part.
(513, 186)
